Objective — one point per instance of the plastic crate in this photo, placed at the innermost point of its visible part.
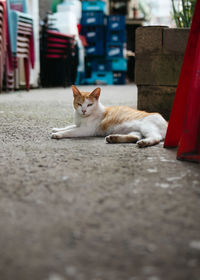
(114, 50)
(119, 64)
(119, 78)
(116, 36)
(101, 65)
(93, 6)
(100, 78)
(95, 48)
(116, 22)
(92, 18)
(93, 33)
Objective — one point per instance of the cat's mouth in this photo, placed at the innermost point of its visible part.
(84, 114)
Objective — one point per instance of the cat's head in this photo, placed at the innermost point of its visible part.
(85, 103)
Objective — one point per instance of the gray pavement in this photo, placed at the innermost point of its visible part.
(81, 209)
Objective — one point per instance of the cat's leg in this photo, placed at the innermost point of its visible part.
(151, 135)
(74, 132)
(149, 141)
(153, 129)
(132, 137)
(63, 128)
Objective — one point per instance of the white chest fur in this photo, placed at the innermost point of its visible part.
(90, 123)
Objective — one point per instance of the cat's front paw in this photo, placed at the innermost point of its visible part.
(56, 136)
(111, 139)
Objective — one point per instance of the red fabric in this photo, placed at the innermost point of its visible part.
(184, 124)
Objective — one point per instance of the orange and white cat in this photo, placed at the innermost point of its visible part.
(120, 124)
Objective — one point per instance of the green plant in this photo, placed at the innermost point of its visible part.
(183, 12)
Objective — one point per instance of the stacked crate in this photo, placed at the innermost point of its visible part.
(98, 67)
(115, 47)
(93, 29)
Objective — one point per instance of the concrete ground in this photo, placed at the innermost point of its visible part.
(81, 209)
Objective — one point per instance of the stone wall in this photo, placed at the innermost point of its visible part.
(159, 56)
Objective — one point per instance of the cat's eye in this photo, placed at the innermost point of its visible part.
(89, 104)
(79, 104)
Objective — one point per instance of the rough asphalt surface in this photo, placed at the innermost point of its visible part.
(81, 209)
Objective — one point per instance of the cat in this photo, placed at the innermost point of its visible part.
(119, 124)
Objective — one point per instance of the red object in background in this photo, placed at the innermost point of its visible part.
(58, 45)
(6, 60)
(184, 124)
(79, 28)
(2, 40)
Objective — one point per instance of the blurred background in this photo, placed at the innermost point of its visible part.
(62, 42)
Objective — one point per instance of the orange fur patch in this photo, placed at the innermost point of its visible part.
(79, 99)
(116, 115)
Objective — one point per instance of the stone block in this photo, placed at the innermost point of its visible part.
(175, 39)
(149, 39)
(156, 99)
(158, 69)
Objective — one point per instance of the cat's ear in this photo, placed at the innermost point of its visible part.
(76, 92)
(96, 93)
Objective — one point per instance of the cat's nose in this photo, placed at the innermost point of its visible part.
(84, 111)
